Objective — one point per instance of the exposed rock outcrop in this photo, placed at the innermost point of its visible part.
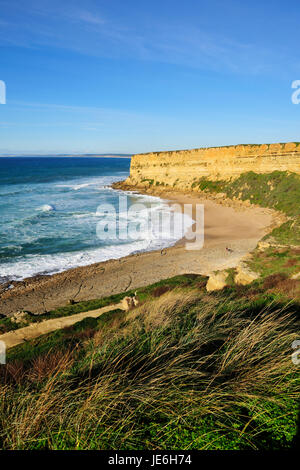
(127, 303)
(216, 281)
(18, 317)
(244, 275)
(130, 302)
(180, 169)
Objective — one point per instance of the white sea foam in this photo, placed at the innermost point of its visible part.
(50, 264)
(68, 209)
(100, 183)
(46, 208)
(152, 238)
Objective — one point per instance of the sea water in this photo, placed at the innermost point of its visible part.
(50, 208)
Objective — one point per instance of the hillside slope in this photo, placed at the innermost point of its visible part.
(183, 370)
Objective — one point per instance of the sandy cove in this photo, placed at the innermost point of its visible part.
(239, 228)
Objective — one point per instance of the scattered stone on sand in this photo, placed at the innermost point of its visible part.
(216, 281)
(220, 196)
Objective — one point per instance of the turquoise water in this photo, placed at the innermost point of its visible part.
(49, 211)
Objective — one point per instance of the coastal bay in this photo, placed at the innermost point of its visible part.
(239, 228)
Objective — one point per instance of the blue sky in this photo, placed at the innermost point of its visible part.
(133, 76)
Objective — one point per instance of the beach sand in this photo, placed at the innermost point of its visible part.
(238, 228)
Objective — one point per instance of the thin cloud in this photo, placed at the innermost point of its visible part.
(88, 17)
(88, 31)
(74, 108)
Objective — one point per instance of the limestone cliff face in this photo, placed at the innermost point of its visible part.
(180, 168)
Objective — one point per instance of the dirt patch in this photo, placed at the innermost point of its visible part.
(13, 338)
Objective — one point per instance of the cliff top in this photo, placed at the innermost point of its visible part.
(261, 148)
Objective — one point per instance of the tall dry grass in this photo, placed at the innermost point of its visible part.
(172, 362)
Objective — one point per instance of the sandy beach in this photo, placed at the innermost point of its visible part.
(239, 228)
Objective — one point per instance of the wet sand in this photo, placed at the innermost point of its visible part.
(238, 228)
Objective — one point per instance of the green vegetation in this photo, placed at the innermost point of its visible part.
(209, 186)
(6, 323)
(148, 180)
(278, 190)
(275, 259)
(184, 370)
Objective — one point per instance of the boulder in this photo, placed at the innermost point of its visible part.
(244, 275)
(296, 276)
(216, 281)
(18, 317)
(127, 303)
(262, 246)
(135, 300)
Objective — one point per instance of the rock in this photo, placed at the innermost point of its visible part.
(216, 281)
(18, 317)
(210, 163)
(262, 246)
(244, 275)
(130, 302)
(296, 276)
(127, 303)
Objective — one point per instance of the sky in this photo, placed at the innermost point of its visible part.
(116, 76)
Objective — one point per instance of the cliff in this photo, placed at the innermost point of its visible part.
(182, 168)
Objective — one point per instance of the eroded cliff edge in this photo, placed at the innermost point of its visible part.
(181, 169)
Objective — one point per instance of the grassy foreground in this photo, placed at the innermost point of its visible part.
(184, 370)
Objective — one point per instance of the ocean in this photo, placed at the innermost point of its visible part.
(50, 208)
